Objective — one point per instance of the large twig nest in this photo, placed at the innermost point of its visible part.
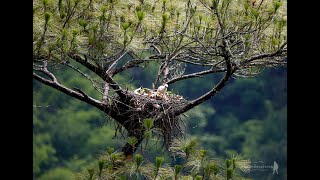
(148, 103)
(145, 99)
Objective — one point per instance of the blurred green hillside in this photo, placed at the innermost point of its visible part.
(249, 116)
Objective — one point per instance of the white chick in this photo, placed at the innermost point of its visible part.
(162, 90)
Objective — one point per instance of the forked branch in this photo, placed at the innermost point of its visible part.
(101, 73)
(212, 92)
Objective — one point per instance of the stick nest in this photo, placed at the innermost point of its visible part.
(148, 103)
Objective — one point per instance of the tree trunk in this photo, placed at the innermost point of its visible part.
(131, 121)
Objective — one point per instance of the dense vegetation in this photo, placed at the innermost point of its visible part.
(119, 56)
(69, 135)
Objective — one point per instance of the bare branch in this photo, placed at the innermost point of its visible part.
(115, 86)
(261, 56)
(197, 40)
(115, 62)
(81, 92)
(100, 71)
(157, 49)
(128, 65)
(193, 75)
(210, 93)
(194, 63)
(45, 70)
(84, 75)
(162, 67)
(70, 92)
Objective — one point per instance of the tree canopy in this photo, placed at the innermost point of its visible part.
(103, 39)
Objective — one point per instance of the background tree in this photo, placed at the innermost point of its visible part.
(105, 39)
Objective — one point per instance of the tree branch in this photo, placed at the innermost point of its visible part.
(105, 93)
(121, 54)
(100, 72)
(210, 93)
(81, 92)
(70, 92)
(191, 62)
(261, 56)
(128, 65)
(84, 75)
(115, 86)
(193, 75)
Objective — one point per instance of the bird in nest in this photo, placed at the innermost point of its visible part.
(144, 92)
(162, 90)
(138, 91)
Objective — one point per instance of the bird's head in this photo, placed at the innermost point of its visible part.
(166, 85)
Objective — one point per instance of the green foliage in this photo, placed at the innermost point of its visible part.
(47, 17)
(67, 133)
(103, 9)
(63, 15)
(105, 16)
(165, 18)
(132, 140)
(254, 13)
(228, 163)
(101, 164)
(184, 148)
(148, 123)
(45, 2)
(257, 130)
(177, 169)
(58, 174)
(83, 23)
(43, 152)
(211, 168)
(125, 25)
(158, 163)
(197, 166)
(91, 172)
(138, 158)
(214, 4)
(110, 150)
(276, 5)
(248, 117)
(229, 173)
(140, 15)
